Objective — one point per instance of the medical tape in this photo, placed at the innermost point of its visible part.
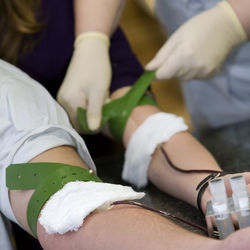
(117, 111)
(156, 129)
(47, 178)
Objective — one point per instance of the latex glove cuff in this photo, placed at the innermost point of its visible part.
(235, 22)
(91, 34)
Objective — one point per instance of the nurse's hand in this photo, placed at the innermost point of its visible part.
(87, 79)
(200, 46)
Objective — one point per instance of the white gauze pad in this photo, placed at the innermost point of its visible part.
(156, 129)
(66, 209)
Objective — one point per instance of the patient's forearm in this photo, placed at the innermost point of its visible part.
(184, 151)
(122, 227)
(125, 227)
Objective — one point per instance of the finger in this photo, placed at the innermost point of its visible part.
(227, 177)
(71, 105)
(94, 109)
(171, 67)
(162, 55)
(247, 177)
(248, 188)
(188, 73)
(106, 97)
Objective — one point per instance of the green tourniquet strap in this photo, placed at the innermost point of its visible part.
(47, 178)
(147, 100)
(119, 109)
(117, 124)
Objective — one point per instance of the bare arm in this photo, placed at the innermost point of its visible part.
(123, 227)
(184, 151)
(101, 15)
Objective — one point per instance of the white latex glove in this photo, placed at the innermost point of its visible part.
(200, 46)
(87, 79)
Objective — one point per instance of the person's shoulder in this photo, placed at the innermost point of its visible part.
(9, 71)
(11, 75)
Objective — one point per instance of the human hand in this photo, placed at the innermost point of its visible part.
(87, 79)
(200, 46)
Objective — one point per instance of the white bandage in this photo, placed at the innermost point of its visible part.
(66, 209)
(156, 129)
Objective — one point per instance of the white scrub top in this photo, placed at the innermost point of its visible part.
(223, 99)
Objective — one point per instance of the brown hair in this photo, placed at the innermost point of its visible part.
(18, 22)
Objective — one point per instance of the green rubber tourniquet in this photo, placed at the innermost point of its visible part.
(47, 178)
(117, 112)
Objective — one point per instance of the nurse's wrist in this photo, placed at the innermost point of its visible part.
(241, 9)
(91, 35)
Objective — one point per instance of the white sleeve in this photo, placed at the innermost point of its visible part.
(31, 123)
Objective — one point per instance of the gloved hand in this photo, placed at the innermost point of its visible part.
(200, 46)
(87, 79)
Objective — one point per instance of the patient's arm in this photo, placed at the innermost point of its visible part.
(183, 150)
(122, 227)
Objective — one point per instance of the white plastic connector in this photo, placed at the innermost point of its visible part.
(241, 200)
(240, 195)
(220, 208)
(219, 196)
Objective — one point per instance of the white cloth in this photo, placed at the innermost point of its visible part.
(31, 123)
(66, 210)
(156, 129)
(223, 99)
